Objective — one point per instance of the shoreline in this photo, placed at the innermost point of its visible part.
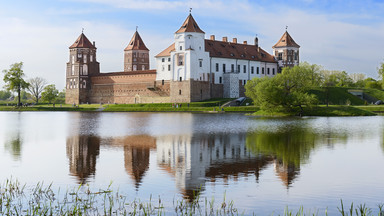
(320, 110)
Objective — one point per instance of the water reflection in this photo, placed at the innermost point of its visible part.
(290, 145)
(82, 152)
(193, 160)
(14, 141)
(136, 155)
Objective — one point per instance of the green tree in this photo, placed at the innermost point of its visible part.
(36, 86)
(13, 79)
(315, 71)
(4, 95)
(283, 92)
(50, 93)
(380, 71)
(61, 97)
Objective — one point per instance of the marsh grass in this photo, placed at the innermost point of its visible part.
(41, 199)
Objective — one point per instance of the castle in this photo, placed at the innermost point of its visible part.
(191, 69)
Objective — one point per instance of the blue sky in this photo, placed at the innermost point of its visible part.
(338, 34)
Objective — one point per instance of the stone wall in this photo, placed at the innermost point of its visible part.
(128, 89)
(180, 91)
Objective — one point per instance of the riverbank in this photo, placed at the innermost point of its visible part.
(203, 107)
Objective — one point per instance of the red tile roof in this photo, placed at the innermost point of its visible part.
(190, 25)
(82, 42)
(230, 50)
(222, 49)
(126, 73)
(286, 41)
(167, 52)
(136, 43)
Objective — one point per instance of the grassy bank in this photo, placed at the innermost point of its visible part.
(50, 107)
(18, 199)
(322, 111)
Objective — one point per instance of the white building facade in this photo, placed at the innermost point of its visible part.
(210, 68)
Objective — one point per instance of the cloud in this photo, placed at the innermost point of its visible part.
(342, 41)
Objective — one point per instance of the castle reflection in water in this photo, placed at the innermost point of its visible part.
(191, 160)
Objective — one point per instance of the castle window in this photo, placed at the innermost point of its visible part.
(169, 67)
(85, 59)
(73, 70)
(73, 59)
(84, 84)
(295, 56)
(257, 70)
(163, 60)
(273, 71)
(232, 67)
(91, 58)
(162, 82)
(201, 62)
(238, 68)
(245, 69)
(220, 80)
(134, 59)
(262, 70)
(169, 59)
(181, 47)
(224, 68)
(81, 70)
(162, 68)
(268, 71)
(252, 70)
(134, 67)
(217, 67)
(180, 59)
(280, 56)
(245, 82)
(179, 91)
(85, 69)
(181, 79)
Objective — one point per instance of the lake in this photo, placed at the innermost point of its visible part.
(262, 164)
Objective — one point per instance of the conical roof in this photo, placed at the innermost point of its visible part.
(82, 42)
(190, 25)
(286, 41)
(136, 43)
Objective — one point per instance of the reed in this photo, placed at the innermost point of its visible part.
(41, 199)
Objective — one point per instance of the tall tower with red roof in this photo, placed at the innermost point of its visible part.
(82, 64)
(136, 55)
(286, 51)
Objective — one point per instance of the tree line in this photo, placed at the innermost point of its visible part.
(34, 89)
(289, 90)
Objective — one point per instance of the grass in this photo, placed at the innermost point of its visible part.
(337, 111)
(336, 96)
(50, 107)
(372, 108)
(18, 199)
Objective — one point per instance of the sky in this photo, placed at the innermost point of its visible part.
(337, 34)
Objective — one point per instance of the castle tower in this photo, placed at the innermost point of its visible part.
(82, 64)
(189, 64)
(286, 51)
(136, 55)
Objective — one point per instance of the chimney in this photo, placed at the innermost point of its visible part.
(256, 41)
(213, 37)
(234, 40)
(94, 43)
(225, 39)
(258, 49)
(245, 42)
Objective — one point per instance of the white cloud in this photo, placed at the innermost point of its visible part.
(325, 39)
